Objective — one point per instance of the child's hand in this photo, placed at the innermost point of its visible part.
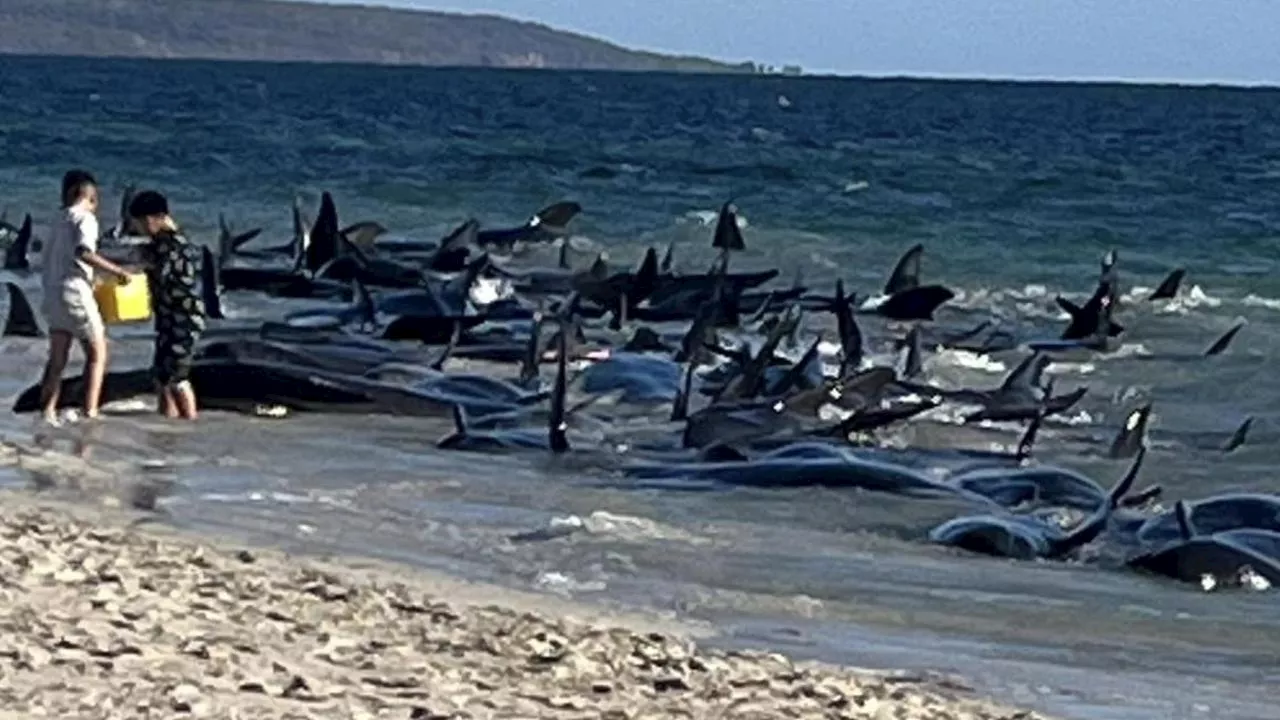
(123, 278)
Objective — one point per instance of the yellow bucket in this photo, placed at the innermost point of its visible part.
(123, 303)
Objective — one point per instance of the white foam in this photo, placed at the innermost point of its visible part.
(487, 291)
(709, 217)
(954, 413)
(1081, 417)
(969, 361)
(1031, 292)
(1070, 368)
(1196, 297)
(1130, 350)
(828, 349)
(1252, 300)
(766, 135)
(135, 405)
(635, 529)
(563, 584)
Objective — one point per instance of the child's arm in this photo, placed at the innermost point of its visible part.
(186, 273)
(97, 261)
(87, 249)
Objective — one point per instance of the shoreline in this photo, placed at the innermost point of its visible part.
(108, 614)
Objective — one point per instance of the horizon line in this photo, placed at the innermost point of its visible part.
(404, 5)
(1055, 80)
(1202, 83)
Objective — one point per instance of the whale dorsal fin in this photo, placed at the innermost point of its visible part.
(556, 217)
(728, 236)
(301, 236)
(1122, 488)
(562, 259)
(599, 269)
(1183, 515)
(1028, 440)
(211, 283)
(126, 198)
(668, 258)
(1169, 286)
(326, 239)
(1025, 378)
(22, 318)
(15, 256)
(680, 408)
(1132, 435)
(906, 274)
(1089, 530)
(363, 234)
(1220, 345)
(1142, 497)
(791, 379)
(533, 352)
(557, 423)
(1238, 437)
(449, 348)
(851, 351)
(913, 365)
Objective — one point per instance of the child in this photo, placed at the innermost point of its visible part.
(175, 299)
(70, 257)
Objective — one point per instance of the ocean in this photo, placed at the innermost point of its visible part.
(1015, 190)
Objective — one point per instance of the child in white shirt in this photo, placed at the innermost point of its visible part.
(70, 257)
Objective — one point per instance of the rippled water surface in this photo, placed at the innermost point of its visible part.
(1015, 190)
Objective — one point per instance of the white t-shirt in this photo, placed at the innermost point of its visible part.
(76, 229)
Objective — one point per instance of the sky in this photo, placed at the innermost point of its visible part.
(1224, 41)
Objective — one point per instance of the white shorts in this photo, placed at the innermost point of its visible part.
(74, 310)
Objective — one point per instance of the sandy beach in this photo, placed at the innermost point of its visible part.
(109, 615)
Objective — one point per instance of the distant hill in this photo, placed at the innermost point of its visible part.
(273, 30)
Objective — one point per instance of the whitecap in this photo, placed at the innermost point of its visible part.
(1130, 350)
(709, 217)
(635, 529)
(969, 361)
(1067, 368)
(563, 584)
(766, 135)
(1252, 300)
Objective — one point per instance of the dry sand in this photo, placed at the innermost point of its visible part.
(102, 617)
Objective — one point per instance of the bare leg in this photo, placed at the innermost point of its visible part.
(51, 383)
(90, 435)
(95, 370)
(185, 399)
(168, 405)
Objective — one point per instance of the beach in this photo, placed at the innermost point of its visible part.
(108, 615)
(1015, 191)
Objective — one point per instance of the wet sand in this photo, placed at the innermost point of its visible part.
(106, 615)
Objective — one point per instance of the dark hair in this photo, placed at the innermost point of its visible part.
(74, 183)
(148, 203)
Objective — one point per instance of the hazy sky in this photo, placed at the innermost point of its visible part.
(1234, 41)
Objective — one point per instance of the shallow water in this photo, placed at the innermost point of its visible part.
(1015, 190)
